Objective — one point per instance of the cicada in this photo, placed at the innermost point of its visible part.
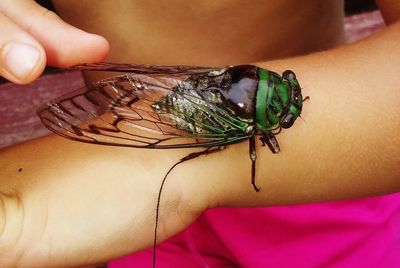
(166, 107)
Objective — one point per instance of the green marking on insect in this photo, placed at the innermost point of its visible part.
(261, 101)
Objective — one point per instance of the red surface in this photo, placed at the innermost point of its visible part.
(18, 104)
(360, 26)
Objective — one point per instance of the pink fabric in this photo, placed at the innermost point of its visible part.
(359, 233)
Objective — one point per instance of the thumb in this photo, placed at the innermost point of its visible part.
(64, 44)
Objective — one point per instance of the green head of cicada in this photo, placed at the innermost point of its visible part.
(293, 110)
(279, 100)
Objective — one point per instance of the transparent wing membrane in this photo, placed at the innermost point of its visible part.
(145, 68)
(121, 111)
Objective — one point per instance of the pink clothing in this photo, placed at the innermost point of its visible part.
(360, 233)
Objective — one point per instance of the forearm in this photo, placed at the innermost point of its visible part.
(347, 146)
(71, 204)
(390, 10)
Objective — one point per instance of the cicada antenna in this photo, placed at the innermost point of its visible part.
(190, 156)
(307, 98)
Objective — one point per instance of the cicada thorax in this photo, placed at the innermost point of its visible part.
(239, 91)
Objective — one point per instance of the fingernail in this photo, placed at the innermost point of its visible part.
(20, 59)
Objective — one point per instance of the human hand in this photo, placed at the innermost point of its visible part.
(32, 36)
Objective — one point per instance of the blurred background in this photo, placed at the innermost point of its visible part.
(18, 104)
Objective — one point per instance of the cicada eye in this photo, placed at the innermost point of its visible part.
(289, 75)
(288, 120)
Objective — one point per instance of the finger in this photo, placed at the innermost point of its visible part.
(64, 44)
(22, 59)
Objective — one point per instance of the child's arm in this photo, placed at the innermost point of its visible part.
(348, 144)
(390, 10)
(66, 203)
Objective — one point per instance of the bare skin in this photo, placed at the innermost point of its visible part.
(213, 33)
(76, 204)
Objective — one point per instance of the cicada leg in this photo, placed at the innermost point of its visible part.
(190, 156)
(269, 139)
(253, 157)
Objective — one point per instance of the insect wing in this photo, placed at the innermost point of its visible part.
(146, 69)
(120, 111)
